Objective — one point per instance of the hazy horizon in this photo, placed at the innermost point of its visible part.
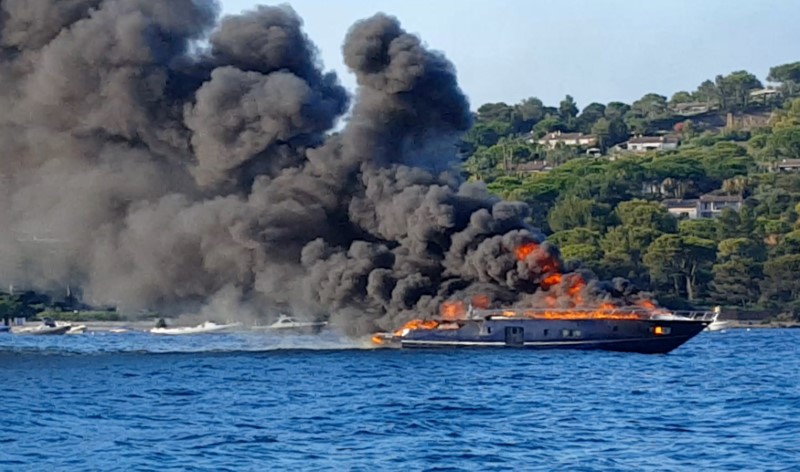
(615, 50)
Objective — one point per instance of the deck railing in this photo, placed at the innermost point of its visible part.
(593, 313)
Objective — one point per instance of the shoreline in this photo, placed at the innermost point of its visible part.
(145, 325)
(739, 324)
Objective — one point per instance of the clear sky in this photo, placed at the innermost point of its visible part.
(507, 50)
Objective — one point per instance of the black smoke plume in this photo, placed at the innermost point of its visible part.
(157, 157)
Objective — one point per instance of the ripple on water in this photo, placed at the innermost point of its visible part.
(724, 401)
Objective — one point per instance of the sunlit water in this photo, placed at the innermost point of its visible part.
(724, 401)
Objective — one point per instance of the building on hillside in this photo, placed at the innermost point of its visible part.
(568, 139)
(765, 93)
(691, 108)
(711, 206)
(651, 143)
(788, 165)
(532, 167)
(682, 208)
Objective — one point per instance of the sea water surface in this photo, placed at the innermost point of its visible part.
(237, 402)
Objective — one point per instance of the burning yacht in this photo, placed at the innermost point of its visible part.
(627, 329)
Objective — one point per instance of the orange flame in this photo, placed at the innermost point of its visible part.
(548, 265)
(525, 250)
(595, 314)
(550, 280)
(646, 304)
(452, 310)
(417, 324)
(480, 302)
(576, 283)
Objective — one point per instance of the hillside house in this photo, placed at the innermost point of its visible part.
(789, 165)
(551, 140)
(682, 208)
(691, 108)
(652, 143)
(711, 206)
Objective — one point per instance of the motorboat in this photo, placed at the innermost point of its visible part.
(716, 323)
(625, 329)
(287, 324)
(718, 326)
(76, 329)
(204, 328)
(118, 330)
(42, 329)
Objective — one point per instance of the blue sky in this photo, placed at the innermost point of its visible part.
(507, 50)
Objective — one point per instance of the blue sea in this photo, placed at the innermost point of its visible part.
(136, 402)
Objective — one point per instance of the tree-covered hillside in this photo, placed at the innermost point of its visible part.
(607, 207)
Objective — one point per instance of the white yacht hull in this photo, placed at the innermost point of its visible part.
(205, 328)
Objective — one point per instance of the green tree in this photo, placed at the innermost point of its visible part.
(575, 236)
(487, 134)
(702, 228)
(728, 224)
(734, 89)
(632, 241)
(485, 163)
(616, 110)
(644, 111)
(738, 271)
(589, 116)
(568, 109)
(531, 111)
(496, 112)
(680, 263)
(548, 125)
(707, 92)
(572, 212)
(782, 144)
(736, 282)
(589, 254)
(788, 117)
(680, 97)
(609, 132)
(788, 75)
(789, 244)
(726, 160)
(740, 248)
(10, 307)
(781, 283)
(644, 214)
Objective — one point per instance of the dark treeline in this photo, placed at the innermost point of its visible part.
(608, 211)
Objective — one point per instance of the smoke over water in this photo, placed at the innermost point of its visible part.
(158, 157)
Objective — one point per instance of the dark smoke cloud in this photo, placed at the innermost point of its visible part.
(156, 157)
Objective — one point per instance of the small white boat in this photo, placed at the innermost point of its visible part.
(42, 330)
(716, 323)
(207, 327)
(286, 323)
(118, 330)
(76, 329)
